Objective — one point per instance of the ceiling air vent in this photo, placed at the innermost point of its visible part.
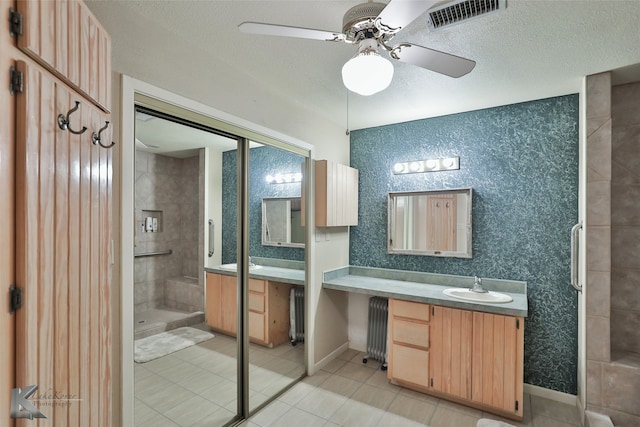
(460, 11)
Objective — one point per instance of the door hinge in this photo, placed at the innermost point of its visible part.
(431, 382)
(17, 81)
(516, 405)
(15, 298)
(15, 23)
(433, 311)
(517, 323)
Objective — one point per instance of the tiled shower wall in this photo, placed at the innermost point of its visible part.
(625, 218)
(169, 187)
(613, 228)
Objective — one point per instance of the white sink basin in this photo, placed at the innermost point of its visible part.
(234, 266)
(469, 295)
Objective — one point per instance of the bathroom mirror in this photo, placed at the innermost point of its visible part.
(281, 222)
(436, 223)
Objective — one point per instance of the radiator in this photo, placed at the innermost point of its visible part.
(296, 315)
(377, 331)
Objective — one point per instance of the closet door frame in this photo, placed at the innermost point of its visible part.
(125, 101)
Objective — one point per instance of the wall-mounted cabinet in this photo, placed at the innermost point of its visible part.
(268, 308)
(469, 357)
(336, 195)
(68, 40)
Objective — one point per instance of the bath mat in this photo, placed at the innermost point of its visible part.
(485, 422)
(164, 343)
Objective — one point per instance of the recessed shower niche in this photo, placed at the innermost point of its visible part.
(151, 221)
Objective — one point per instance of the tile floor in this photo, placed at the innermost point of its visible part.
(196, 387)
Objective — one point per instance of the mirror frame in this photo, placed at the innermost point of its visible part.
(391, 197)
(266, 242)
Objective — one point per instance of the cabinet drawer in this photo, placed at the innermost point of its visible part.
(256, 302)
(411, 310)
(257, 329)
(408, 332)
(256, 285)
(410, 365)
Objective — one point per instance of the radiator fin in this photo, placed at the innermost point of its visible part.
(377, 330)
(296, 315)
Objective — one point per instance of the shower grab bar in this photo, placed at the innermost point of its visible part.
(145, 254)
(211, 237)
(575, 253)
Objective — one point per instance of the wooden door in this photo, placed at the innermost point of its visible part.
(63, 256)
(451, 340)
(441, 223)
(7, 228)
(498, 361)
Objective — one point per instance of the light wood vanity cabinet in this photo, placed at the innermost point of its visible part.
(336, 195)
(268, 308)
(409, 343)
(469, 357)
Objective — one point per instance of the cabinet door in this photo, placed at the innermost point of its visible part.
(229, 298)
(213, 306)
(498, 361)
(451, 340)
(68, 40)
(63, 257)
(336, 194)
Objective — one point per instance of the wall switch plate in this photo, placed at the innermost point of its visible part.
(148, 224)
(155, 224)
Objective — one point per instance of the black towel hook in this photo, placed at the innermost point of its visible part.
(96, 137)
(63, 121)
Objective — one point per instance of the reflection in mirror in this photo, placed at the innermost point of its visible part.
(436, 223)
(282, 222)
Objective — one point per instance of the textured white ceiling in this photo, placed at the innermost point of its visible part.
(533, 49)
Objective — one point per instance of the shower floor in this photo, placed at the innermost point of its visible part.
(160, 319)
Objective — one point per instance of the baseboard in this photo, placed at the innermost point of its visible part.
(328, 358)
(558, 396)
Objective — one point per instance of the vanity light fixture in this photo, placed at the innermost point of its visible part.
(430, 165)
(284, 178)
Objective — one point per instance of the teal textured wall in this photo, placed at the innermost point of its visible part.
(263, 161)
(522, 162)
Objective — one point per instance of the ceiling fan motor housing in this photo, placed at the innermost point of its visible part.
(360, 19)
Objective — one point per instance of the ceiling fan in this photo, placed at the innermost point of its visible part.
(372, 26)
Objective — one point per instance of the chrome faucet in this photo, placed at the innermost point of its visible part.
(251, 264)
(477, 286)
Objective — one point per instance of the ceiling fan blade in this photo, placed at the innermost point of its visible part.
(434, 60)
(400, 13)
(286, 31)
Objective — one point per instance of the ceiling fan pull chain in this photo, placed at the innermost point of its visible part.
(347, 132)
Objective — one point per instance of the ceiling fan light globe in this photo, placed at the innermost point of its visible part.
(367, 73)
